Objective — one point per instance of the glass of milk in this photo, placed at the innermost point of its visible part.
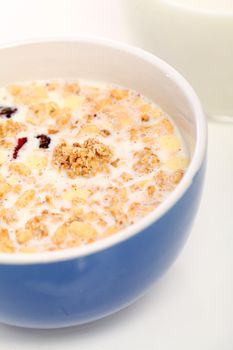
(196, 37)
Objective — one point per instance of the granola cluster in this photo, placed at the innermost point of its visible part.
(85, 159)
(80, 162)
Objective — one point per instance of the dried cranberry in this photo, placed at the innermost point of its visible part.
(7, 111)
(44, 141)
(19, 145)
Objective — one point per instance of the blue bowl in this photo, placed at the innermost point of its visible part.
(79, 285)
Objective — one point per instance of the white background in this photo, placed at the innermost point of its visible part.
(191, 308)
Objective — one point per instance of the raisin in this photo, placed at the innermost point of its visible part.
(19, 145)
(44, 141)
(7, 111)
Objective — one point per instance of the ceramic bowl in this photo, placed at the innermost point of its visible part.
(79, 285)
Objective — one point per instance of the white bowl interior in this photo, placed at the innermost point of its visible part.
(96, 61)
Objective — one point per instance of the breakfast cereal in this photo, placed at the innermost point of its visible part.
(80, 161)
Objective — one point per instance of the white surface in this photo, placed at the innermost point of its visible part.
(191, 308)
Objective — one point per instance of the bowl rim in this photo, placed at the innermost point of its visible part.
(182, 187)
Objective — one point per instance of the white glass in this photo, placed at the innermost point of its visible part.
(196, 37)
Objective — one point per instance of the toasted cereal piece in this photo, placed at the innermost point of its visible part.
(75, 192)
(37, 114)
(91, 216)
(105, 132)
(167, 126)
(145, 117)
(74, 101)
(40, 112)
(137, 101)
(150, 190)
(89, 129)
(83, 230)
(102, 222)
(3, 157)
(29, 94)
(118, 214)
(156, 112)
(71, 88)
(23, 235)
(134, 134)
(6, 245)
(147, 209)
(28, 249)
(8, 215)
(126, 176)
(77, 211)
(119, 94)
(145, 108)
(39, 93)
(148, 141)
(120, 117)
(139, 185)
(177, 176)
(52, 130)
(10, 128)
(133, 209)
(115, 163)
(176, 163)
(161, 180)
(169, 143)
(4, 188)
(37, 227)
(122, 193)
(36, 162)
(3, 233)
(63, 117)
(49, 200)
(17, 188)
(52, 109)
(14, 90)
(73, 242)
(100, 105)
(25, 198)
(20, 168)
(125, 120)
(31, 119)
(146, 162)
(111, 230)
(6, 144)
(60, 235)
(76, 229)
(92, 92)
(52, 86)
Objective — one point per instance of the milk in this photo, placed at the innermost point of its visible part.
(196, 37)
(56, 194)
